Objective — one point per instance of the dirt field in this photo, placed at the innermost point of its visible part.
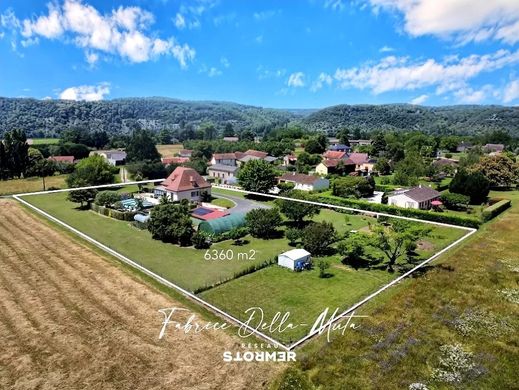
(71, 319)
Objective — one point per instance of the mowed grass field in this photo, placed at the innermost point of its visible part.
(184, 266)
(169, 150)
(304, 294)
(73, 319)
(466, 298)
(32, 184)
(43, 141)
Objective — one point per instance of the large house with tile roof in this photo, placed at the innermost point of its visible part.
(305, 182)
(420, 197)
(184, 183)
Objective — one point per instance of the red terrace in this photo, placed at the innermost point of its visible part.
(207, 214)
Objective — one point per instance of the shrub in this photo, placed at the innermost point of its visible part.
(353, 186)
(107, 198)
(293, 235)
(201, 241)
(293, 379)
(473, 184)
(263, 223)
(496, 209)
(412, 213)
(317, 237)
(454, 201)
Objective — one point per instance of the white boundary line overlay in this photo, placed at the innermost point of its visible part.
(215, 309)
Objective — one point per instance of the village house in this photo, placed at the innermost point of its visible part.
(464, 146)
(494, 148)
(226, 174)
(359, 142)
(62, 159)
(289, 160)
(224, 159)
(335, 155)
(184, 183)
(231, 139)
(420, 197)
(339, 148)
(185, 153)
(305, 182)
(113, 157)
(331, 166)
(174, 160)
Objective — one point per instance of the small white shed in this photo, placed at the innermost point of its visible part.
(294, 259)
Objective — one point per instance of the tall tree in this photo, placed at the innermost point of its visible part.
(141, 147)
(396, 239)
(17, 152)
(297, 211)
(257, 176)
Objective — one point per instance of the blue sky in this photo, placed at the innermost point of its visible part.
(285, 54)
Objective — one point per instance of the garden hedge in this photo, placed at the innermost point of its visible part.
(411, 213)
(116, 214)
(496, 209)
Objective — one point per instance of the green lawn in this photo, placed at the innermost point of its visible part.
(43, 141)
(303, 294)
(31, 184)
(222, 202)
(184, 266)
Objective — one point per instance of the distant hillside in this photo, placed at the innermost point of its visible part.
(461, 119)
(51, 117)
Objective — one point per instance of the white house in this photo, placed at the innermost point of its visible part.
(113, 157)
(305, 182)
(225, 173)
(224, 159)
(415, 198)
(184, 183)
(294, 259)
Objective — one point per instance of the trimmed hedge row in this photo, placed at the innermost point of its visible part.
(411, 213)
(252, 268)
(496, 209)
(116, 214)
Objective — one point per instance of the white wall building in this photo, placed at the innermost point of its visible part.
(294, 259)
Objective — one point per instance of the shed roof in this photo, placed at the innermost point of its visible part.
(296, 254)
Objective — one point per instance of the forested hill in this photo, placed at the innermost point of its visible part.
(461, 119)
(50, 117)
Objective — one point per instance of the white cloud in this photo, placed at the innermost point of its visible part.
(212, 72)
(123, 32)
(419, 99)
(225, 62)
(259, 39)
(386, 49)
(264, 73)
(91, 58)
(469, 95)
(180, 21)
(400, 73)
(264, 15)
(89, 93)
(324, 78)
(463, 20)
(296, 80)
(511, 91)
(336, 5)
(47, 98)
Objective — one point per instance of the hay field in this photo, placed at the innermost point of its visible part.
(70, 318)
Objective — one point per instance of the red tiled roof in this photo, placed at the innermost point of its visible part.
(224, 156)
(359, 158)
(256, 153)
(330, 154)
(174, 160)
(214, 214)
(332, 162)
(66, 159)
(184, 179)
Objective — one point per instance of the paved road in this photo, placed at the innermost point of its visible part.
(242, 205)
